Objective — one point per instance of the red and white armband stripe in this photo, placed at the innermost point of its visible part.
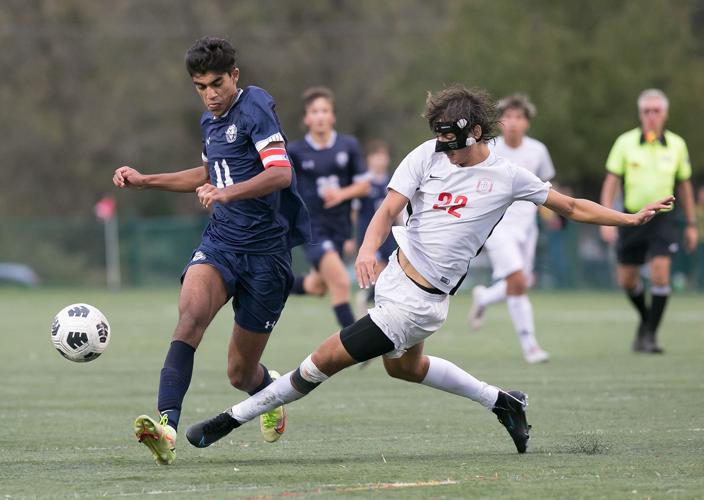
(274, 157)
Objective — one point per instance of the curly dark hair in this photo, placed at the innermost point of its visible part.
(457, 101)
(210, 54)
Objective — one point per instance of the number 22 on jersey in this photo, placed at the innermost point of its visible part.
(445, 203)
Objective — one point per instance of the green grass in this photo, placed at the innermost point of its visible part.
(606, 423)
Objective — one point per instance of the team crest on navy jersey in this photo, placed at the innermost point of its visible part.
(231, 133)
(341, 158)
(308, 164)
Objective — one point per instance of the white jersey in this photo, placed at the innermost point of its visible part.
(534, 157)
(454, 209)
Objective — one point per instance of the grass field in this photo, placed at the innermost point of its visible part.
(606, 423)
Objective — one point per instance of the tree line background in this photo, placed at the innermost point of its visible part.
(90, 85)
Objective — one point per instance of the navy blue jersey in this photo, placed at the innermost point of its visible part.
(231, 146)
(369, 205)
(338, 165)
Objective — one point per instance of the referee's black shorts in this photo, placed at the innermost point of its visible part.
(659, 237)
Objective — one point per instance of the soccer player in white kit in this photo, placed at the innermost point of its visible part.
(456, 191)
(511, 247)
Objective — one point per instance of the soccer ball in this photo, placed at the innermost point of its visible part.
(80, 332)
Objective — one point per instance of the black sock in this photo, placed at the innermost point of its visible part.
(265, 381)
(344, 315)
(637, 298)
(657, 307)
(297, 288)
(175, 379)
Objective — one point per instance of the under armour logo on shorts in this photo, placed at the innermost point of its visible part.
(269, 324)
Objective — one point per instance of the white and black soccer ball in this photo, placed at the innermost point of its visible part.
(80, 332)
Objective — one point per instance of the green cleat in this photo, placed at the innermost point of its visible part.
(273, 423)
(160, 438)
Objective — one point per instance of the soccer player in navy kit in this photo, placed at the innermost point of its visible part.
(331, 172)
(257, 217)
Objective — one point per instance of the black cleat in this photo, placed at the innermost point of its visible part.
(205, 433)
(510, 410)
(652, 344)
(640, 343)
(645, 341)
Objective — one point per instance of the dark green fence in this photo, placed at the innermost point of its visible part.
(71, 251)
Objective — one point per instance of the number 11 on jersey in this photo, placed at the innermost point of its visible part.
(222, 179)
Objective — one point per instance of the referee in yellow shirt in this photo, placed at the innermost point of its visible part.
(648, 163)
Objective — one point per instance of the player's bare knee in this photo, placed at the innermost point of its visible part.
(314, 287)
(629, 283)
(339, 283)
(516, 284)
(242, 377)
(317, 289)
(190, 327)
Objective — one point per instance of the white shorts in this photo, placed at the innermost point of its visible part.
(512, 249)
(404, 312)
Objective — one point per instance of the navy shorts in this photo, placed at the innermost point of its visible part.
(659, 237)
(258, 284)
(322, 242)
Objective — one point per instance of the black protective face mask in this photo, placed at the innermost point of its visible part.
(460, 129)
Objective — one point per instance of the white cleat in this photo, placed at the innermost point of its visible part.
(536, 355)
(476, 312)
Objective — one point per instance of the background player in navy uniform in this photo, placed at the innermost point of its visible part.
(245, 251)
(378, 160)
(331, 172)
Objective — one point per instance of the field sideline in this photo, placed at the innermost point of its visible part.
(606, 423)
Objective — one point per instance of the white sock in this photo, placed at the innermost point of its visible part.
(521, 311)
(493, 294)
(279, 392)
(451, 378)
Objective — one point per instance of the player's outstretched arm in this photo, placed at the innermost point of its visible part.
(582, 210)
(184, 181)
(377, 232)
(611, 185)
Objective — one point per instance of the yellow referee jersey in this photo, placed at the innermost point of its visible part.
(649, 170)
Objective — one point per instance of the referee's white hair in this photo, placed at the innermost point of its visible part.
(517, 101)
(653, 93)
